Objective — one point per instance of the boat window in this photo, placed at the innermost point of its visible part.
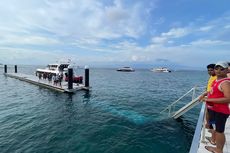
(63, 66)
(52, 67)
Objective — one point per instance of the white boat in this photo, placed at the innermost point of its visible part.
(161, 69)
(126, 69)
(57, 69)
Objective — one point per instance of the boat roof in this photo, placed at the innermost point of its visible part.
(60, 64)
(47, 71)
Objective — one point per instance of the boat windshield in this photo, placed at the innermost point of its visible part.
(63, 66)
(52, 67)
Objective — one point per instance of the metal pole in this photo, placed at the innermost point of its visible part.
(15, 69)
(70, 78)
(86, 76)
(5, 68)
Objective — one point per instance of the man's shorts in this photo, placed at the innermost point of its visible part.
(218, 119)
(211, 117)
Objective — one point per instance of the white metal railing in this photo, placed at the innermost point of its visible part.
(196, 138)
(171, 107)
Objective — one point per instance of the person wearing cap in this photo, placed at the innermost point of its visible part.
(228, 70)
(219, 96)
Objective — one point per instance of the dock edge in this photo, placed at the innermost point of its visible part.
(197, 135)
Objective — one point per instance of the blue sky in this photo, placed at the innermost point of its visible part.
(145, 33)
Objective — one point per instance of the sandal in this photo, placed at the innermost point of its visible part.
(211, 149)
(210, 140)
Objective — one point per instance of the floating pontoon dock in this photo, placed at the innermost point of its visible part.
(64, 87)
(44, 83)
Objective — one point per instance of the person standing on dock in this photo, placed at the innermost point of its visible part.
(219, 96)
(39, 76)
(211, 72)
(49, 77)
(60, 77)
(55, 79)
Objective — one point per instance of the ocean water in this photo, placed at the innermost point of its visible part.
(119, 115)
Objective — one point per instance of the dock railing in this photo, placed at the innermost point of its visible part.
(196, 138)
(170, 109)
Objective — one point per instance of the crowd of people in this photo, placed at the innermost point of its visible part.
(217, 99)
(56, 79)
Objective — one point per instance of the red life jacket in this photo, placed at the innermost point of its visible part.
(216, 93)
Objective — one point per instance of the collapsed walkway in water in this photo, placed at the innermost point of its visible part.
(67, 87)
(176, 114)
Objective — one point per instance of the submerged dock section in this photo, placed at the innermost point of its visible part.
(65, 86)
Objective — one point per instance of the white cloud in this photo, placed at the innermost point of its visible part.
(159, 40)
(112, 31)
(227, 27)
(11, 55)
(173, 33)
(209, 42)
(79, 19)
(176, 33)
(206, 28)
(28, 40)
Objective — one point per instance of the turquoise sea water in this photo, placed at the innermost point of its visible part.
(119, 115)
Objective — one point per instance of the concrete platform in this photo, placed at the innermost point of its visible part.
(45, 83)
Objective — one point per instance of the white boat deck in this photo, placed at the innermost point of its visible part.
(45, 83)
(201, 148)
(199, 140)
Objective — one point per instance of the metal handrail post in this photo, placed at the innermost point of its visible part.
(194, 92)
(169, 112)
(203, 130)
(177, 100)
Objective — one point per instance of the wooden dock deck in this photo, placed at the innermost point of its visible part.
(45, 83)
(199, 142)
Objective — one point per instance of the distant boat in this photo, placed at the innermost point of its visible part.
(161, 69)
(126, 69)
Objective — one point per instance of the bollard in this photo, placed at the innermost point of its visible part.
(15, 69)
(86, 76)
(70, 78)
(5, 68)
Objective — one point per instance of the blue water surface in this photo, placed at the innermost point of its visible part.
(119, 115)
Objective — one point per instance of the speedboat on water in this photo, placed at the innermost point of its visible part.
(126, 69)
(55, 68)
(161, 69)
(59, 68)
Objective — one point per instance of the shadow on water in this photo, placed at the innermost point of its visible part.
(86, 96)
(70, 97)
